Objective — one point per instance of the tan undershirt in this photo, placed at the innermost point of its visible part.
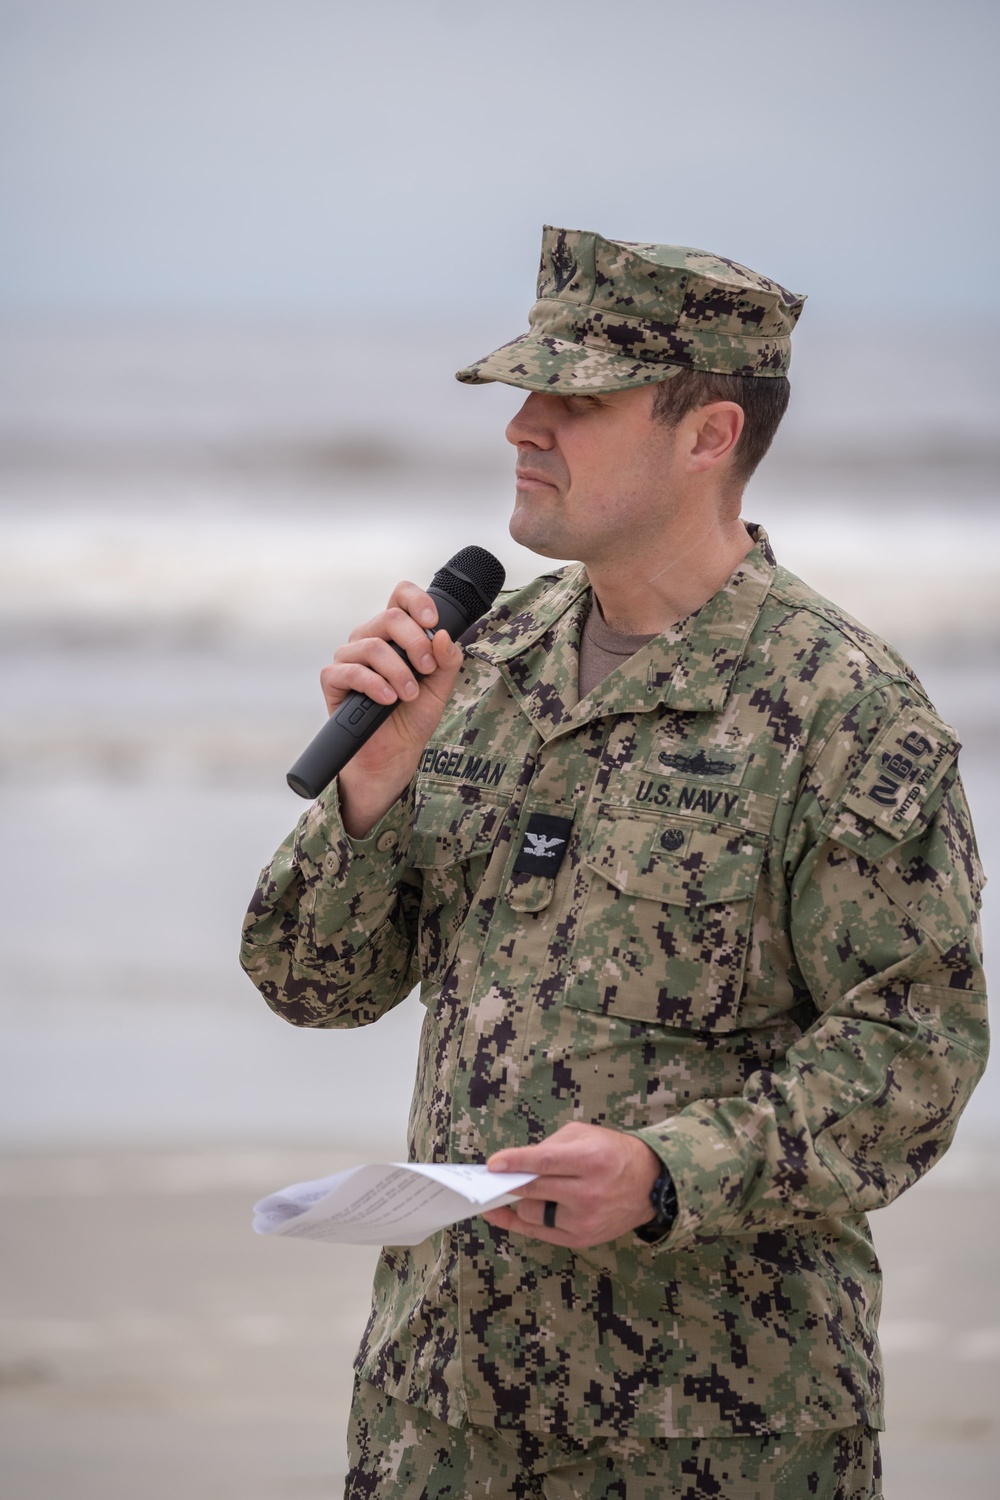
(603, 649)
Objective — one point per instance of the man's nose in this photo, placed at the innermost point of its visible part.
(532, 424)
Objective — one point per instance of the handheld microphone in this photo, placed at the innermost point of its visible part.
(463, 589)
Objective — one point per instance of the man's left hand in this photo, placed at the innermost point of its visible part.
(599, 1180)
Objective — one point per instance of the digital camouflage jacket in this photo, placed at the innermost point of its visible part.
(728, 902)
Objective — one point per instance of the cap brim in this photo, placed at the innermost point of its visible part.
(541, 363)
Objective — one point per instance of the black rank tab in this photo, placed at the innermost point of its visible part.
(544, 847)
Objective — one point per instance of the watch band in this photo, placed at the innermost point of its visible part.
(664, 1200)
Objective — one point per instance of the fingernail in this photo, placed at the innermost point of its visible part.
(428, 617)
(427, 664)
(498, 1164)
(410, 690)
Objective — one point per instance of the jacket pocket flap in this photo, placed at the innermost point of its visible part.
(677, 862)
(451, 827)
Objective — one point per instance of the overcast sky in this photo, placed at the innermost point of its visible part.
(314, 159)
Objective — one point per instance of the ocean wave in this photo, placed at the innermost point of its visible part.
(914, 574)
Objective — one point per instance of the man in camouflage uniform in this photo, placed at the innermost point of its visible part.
(679, 856)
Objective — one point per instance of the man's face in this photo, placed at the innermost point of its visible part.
(595, 475)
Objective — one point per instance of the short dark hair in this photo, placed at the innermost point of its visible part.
(764, 400)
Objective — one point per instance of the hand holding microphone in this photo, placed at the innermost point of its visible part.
(398, 670)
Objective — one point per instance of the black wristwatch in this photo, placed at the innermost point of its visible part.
(664, 1200)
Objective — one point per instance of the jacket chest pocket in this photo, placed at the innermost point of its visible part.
(665, 925)
(454, 833)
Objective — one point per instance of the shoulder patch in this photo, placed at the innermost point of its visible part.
(903, 767)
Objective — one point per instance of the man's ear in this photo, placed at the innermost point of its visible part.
(715, 431)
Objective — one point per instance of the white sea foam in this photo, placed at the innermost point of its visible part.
(296, 573)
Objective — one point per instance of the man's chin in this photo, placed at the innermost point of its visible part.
(541, 546)
(529, 530)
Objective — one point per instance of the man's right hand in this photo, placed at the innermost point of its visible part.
(421, 684)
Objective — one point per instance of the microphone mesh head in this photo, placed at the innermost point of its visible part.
(473, 577)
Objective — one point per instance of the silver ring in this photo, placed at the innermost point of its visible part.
(549, 1216)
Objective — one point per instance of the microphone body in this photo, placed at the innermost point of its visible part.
(463, 590)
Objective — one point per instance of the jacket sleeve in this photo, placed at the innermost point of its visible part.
(329, 937)
(884, 883)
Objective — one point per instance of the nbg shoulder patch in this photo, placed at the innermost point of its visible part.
(903, 767)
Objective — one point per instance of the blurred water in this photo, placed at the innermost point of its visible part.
(190, 527)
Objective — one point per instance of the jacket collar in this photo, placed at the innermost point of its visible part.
(690, 668)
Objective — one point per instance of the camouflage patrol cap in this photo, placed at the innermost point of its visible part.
(611, 314)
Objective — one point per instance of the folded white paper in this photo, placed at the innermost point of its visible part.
(388, 1203)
